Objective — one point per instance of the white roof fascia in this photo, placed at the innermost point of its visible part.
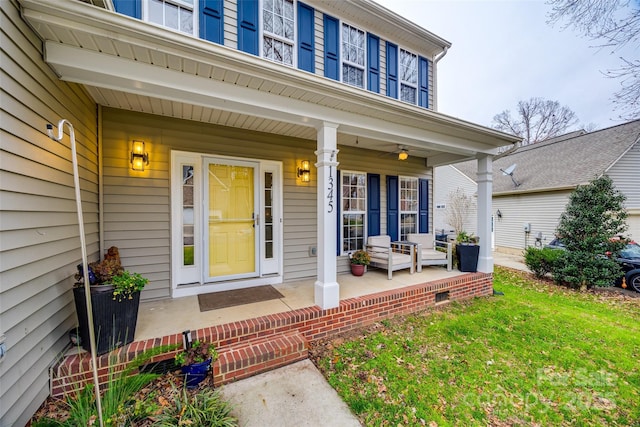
(457, 135)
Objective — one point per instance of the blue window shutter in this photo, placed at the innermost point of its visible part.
(423, 82)
(132, 8)
(248, 26)
(423, 204)
(392, 70)
(306, 38)
(373, 204)
(212, 21)
(331, 47)
(373, 63)
(338, 192)
(392, 207)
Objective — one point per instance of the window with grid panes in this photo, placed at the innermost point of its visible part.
(353, 55)
(176, 14)
(278, 25)
(354, 210)
(408, 206)
(408, 77)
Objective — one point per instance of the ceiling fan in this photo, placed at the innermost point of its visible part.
(402, 152)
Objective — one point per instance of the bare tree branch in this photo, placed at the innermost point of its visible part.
(537, 120)
(616, 23)
(458, 209)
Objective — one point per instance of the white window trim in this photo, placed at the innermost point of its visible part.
(196, 13)
(353, 64)
(343, 212)
(406, 83)
(401, 211)
(279, 38)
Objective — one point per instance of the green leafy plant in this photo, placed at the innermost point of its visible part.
(198, 353)
(203, 408)
(126, 284)
(595, 213)
(541, 261)
(360, 257)
(465, 238)
(118, 405)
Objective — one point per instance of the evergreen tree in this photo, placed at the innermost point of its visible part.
(595, 213)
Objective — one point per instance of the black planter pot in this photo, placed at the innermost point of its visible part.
(467, 256)
(114, 322)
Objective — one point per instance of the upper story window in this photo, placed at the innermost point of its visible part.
(353, 55)
(408, 77)
(176, 14)
(278, 23)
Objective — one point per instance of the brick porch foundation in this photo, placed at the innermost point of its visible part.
(252, 346)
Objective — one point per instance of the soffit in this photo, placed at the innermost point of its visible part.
(126, 63)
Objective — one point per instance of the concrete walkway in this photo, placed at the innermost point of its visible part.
(507, 260)
(298, 395)
(293, 396)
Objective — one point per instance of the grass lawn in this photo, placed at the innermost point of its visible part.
(539, 355)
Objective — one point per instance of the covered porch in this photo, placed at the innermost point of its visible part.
(172, 316)
(255, 338)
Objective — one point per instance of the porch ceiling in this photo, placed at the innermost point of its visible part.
(129, 64)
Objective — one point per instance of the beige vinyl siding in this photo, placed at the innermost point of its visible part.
(625, 175)
(383, 67)
(137, 205)
(448, 179)
(39, 242)
(541, 210)
(231, 23)
(319, 41)
(131, 196)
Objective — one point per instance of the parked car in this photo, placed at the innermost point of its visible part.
(555, 244)
(628, 258)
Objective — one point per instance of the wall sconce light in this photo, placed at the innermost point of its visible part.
(138, 156)
(499, 214)
(304, 172)
(403, 155)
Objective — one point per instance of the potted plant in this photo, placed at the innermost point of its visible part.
(359, 260)
(195, 361)
(115, 298)
(467, 251)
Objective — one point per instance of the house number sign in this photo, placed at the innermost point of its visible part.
(330, 189)
(331, 185)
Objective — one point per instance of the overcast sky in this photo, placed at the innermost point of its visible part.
(504, 51)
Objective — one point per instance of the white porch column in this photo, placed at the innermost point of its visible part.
(327, 290)
(485, 189)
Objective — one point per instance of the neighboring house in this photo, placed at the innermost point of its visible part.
(546, 173)
(276, 121)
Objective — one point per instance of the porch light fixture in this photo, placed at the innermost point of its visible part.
(403, 155)
(304, 172)
(139, 158)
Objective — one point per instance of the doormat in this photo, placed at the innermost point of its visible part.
(216, 300)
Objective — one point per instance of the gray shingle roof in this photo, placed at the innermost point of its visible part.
(560, 162)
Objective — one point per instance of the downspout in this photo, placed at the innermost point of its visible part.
(435, 77)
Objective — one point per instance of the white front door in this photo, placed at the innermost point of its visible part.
(226, 223)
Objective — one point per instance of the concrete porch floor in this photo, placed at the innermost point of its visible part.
(172, 316)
